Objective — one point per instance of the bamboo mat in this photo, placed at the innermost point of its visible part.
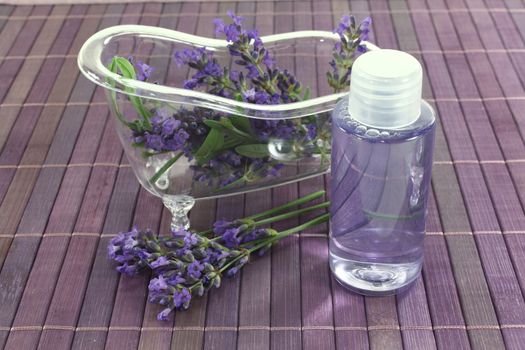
(66, 188)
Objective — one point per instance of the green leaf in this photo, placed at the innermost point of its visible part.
(113, 96)
(211, 144)
(128, 71)
(253, 151)
(306, 95)
(241, 123)
(126, 68)
(227, 127)
(231, 141)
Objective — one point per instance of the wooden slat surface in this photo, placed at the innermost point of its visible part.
(59, 291)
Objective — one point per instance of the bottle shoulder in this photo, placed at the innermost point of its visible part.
(425, 124)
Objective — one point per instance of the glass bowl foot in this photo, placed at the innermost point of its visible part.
(179, 206)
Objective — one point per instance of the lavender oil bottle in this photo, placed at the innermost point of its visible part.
(382, 144)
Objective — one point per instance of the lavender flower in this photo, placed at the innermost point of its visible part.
(182, 264)
(181, 298)
(230, 237)
(194, 269)
(143, 70)
(186, 264)
(163, 315)
(347, 50)
(157, 284)
(161, 261)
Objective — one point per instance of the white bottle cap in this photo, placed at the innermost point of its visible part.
(385, 90)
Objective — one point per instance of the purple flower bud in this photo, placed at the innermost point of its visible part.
(236, 19)
(181, 298)
(220, 226)
(194, 269)
(219, 26)
(234, 75)
(143, 70)
(252, 71)
(213, 69)
(126, 269)
(249, 94)
(113, 250)
(311, 131)
(190, 239)
(157, 284)
(154, 142)
(163, 315)
(232, 271)
(169, 126)
(161, 261)
(191, 84)
(230, 237)
(176, 279)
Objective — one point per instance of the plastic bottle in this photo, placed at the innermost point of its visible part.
(382, 145)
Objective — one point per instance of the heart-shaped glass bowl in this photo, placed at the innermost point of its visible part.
(184, 144)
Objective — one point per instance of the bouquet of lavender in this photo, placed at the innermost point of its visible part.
(187, 264)
(231, 150)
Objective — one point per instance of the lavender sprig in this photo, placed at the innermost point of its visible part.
(187, 264)
(347, 50)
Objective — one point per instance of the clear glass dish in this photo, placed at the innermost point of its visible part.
(237, 166)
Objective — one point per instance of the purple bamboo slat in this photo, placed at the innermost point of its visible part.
(189, 326)
(517, 171)
(21, 46)
(69, 292)
(442, 295)
(100, 292)
(316, 300)
(33, 221)
(414, 318)
(189, 332)
(130, 298)
(412, 306)
(122, 317)
(381, 313)
(5, 11)
(482, 124)
(285, 265)
(24, 179)
(306, 70)
(27, 34)
(98, 301)
(477, 305)
(25, 82)
(349, 318)
(285, 293)
(158, 334)
(349, 308)
(13, 153)
(26, 251)
(12, 28)
(255, 294)
(464, 256)
(223, 303)
(495, 257)
(70, 205)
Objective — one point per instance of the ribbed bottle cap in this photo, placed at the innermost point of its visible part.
(385, 90)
